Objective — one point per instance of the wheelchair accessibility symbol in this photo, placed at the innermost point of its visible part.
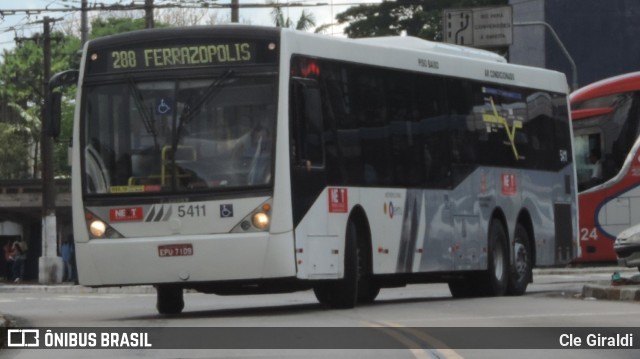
(226, 210)
(164, 107)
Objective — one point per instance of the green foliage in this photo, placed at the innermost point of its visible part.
(109, 26)
(116, 25)
(13, 156)
(305, 22)
(21, 74)
(22, 97)
(420, 18)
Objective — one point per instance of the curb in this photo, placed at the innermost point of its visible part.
(609, 292)
(585, 270)
(75, 289)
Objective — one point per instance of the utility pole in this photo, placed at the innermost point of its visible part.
(574, 68)
(50, 264)
(235, 11)
(148, 14)
(84, 26)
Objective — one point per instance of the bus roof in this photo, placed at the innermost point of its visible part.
(413, 54)
(612, 85)
(401, 52)
(415, 43)
(169, 33)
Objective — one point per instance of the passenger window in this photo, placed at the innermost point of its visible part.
(306, 124)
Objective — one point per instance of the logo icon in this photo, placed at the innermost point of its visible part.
(226, 210)
(126, 214)
(158, 213)
(163, 107)
(21, 338)
(338, 200)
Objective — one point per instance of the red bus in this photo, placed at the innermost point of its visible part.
(606, 126)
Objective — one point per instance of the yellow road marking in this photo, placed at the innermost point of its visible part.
(438, 346)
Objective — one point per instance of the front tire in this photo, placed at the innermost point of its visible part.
(170, 299)
(343, 293)
(465, 287)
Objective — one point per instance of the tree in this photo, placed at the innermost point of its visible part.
(189, 17)
(114, 25)
(304, 23)
(13, 154)
(21, 76)
(420, 18)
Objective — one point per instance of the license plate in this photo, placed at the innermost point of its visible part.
(175, 250)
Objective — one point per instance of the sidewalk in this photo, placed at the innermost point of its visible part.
(70, 288)
(623, 285)
(64, 288)
(625, 289)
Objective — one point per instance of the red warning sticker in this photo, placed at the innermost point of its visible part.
(126, 214)
(509, 184)
(338, 200)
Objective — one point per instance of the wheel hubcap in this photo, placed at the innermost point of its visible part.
(498, 261)
(521, 260)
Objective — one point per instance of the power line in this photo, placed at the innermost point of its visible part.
(76, 6)
(182, 4)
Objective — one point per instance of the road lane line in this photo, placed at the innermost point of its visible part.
(439, 350)
(438, 345)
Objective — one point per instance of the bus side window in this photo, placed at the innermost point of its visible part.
(306, 124)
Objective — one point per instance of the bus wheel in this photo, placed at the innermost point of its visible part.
(343, 293)
(368, 289)
(368, 293)
(170, 299)
(464, 287)
(496, 277)
(521, 271)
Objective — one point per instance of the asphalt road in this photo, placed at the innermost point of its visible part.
(398, 317)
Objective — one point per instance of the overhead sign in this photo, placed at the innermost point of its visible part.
(479, 27)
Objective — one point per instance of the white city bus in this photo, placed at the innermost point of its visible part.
(238, 159)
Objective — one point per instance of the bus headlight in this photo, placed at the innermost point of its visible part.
(261, 220)
(258, 220)
(97, 228)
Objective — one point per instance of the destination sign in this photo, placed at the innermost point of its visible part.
(197, 55)
(155, 56)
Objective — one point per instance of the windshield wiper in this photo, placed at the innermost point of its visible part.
(189, 112)
(144, 114)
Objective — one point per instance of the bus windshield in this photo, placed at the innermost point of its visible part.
(602, 142)
(183, 135)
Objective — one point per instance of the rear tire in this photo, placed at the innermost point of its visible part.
(521, 269)
(495, 280)
(170, 299)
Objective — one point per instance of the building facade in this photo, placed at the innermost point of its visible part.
(600, 37)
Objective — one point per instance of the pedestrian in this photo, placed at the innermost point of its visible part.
(8, 260)
(20, 249)
(67, 251)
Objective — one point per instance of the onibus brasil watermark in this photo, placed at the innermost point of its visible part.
(105, 338)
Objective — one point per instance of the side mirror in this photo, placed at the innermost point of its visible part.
(64, 78)
(57, 81)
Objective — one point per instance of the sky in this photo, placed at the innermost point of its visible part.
(23, 24)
